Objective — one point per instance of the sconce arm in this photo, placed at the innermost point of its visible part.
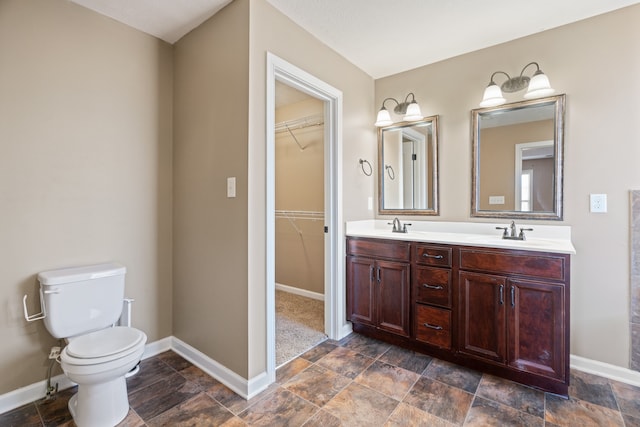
(498, 72)
(530, 63)
(389, 99)
(413, 98)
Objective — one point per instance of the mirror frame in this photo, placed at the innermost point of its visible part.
(434, 173)
(559, 104)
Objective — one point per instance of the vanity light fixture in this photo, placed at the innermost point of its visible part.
(537, 86)
(410, 109)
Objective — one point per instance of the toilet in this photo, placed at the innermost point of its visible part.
(82, 305)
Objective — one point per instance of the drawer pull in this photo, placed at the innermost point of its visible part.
(428, 286)
(501, 294)
(432, 256)
(437, 328)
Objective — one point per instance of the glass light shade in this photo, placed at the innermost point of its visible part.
(492, 96)
(384, 118)
(413, 113)
(539, 86)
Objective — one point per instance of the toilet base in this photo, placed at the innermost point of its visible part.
(100, 405)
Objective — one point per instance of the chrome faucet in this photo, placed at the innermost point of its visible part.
(510, 232)
(398, 227)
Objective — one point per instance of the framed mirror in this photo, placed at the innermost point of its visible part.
(518, 160)
(408, 168)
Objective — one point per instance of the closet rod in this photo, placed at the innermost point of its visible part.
(309, 215)
(301, 123)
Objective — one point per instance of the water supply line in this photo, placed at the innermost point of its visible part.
(54, 356)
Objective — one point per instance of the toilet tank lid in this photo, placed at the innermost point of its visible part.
(77, 274)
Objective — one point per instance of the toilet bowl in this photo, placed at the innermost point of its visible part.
(98, 362)
(81, 305)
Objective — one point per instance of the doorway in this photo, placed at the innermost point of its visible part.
(335, 326)
(299, 225)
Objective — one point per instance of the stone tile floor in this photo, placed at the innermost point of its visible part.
(355, 382)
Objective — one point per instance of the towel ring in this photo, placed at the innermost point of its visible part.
(390, 172)
(362, 162)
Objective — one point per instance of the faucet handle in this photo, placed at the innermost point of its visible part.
(522, 230)
(404, 228)
(505, 233)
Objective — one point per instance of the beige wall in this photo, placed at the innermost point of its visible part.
(210, 144)
(219, 246)
(272, 31)
(596, 63)
(85, 166)
(299, 180)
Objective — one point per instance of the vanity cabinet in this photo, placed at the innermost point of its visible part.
(513, 310)
(378, 285)
(500, 311)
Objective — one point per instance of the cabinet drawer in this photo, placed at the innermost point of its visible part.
(432, 286)
(548, 266)
(375, 248)
(433, 325)
(433, 255)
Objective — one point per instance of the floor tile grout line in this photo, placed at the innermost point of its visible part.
(38, 412)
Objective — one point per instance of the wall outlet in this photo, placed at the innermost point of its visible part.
(598, 203)
(370, 203)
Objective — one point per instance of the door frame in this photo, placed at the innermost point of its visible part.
(334, 282)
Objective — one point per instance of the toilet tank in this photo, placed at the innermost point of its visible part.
(79, 300)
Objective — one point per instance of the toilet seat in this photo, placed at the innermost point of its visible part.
(103, 346)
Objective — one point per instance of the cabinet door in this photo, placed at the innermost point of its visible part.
(360, 290)
(482, 316)
(393, 296)
(536, 327)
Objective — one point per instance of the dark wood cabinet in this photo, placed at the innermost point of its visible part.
(516, 316)
(432, 296)
(482, 316)
(501, 311)
(378, 288)
(536, 328)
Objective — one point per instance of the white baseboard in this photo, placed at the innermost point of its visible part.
(157, 347)
(605, 370)
(17, 398)
(235, 382)
(249, 388)
(31, 393)
(298, 291)
(243, 387)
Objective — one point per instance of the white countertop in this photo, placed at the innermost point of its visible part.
(543, 238)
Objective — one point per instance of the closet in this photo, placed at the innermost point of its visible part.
(299, 217)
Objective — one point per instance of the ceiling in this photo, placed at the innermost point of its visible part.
(381, 37)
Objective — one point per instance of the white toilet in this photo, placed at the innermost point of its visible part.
(81, 305)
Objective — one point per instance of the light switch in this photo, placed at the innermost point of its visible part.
(370, 203)
(231, 186)
(496, 200)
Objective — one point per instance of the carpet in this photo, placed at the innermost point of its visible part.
(299, 325)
